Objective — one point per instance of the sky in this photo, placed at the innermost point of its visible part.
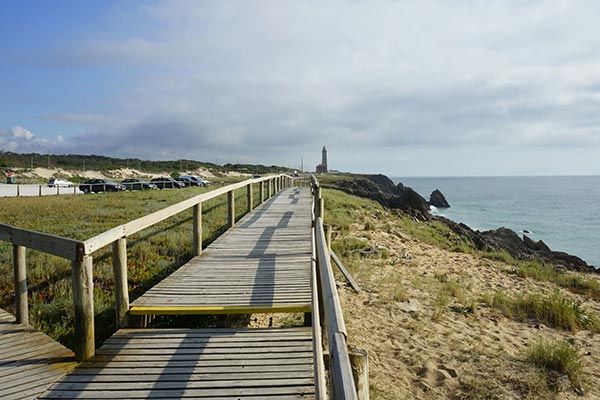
(405, 88)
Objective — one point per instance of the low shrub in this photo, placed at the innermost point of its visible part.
(557, 357)
(553, 310)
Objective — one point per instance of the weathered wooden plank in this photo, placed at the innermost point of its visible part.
(185, 376)
(345, 272)
(289, 393)
(198, 373)
(29, 360)
(233, 309)
(66, 248)
(225, 385)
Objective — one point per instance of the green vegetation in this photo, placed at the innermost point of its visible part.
(104, 163)
(553, 310)
(576, 283)
(557, 357)
(342, 209)
(152, 253)
(448, 289)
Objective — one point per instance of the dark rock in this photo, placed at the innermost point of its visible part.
(526, 231)
(383, 190)
(539, 245)
(437, 199)
(504, 239)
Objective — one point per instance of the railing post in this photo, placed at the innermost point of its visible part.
(20, 277)
(318, 201)
(261, 191)
(359, 359)
(197, 229)
(119, 258)
(321, 208)
(249, 197)
(57, 189)
(231, 208)
(268, 184)
(83, 300)
(40, 190)
(18, 190)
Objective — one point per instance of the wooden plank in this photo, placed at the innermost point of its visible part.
(199, 373)
(51, 244)
(289, 392)
(29, 360)
(184, 376)
(345, 272)
(159, 384)
(318, 360)
(190, 310)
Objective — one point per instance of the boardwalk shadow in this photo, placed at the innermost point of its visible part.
(263, 292)
(157, 370)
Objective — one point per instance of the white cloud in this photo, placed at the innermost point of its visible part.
(20, 139)
(199, 79)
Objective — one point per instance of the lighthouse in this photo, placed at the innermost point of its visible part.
(322, 168)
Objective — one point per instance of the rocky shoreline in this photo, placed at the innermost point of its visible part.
(399, 197)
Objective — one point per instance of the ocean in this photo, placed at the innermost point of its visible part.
(563, 211)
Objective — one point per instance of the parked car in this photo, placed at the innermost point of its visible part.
(100, 185)
(166, 182)
(192, 180)
(138, 184)
(54, 182)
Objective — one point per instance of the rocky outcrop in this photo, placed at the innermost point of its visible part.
(383, 190)
(437, 199)
(504, 239)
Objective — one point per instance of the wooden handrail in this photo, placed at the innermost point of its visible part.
(342, 380)
(79, 252)
(104, 239)
(70, 249)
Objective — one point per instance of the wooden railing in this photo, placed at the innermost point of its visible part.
(328, 308)
(80, 254)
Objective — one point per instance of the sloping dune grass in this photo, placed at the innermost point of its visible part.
(152, 253)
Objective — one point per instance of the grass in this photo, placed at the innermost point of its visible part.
(557, 357)
(342, 209)
(152, 253)
(575, 282)
(553, 310)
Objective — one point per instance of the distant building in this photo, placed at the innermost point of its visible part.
(322, 168)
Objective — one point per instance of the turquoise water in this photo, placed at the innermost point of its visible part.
(563, 211)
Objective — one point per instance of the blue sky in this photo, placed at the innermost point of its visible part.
(399, 87)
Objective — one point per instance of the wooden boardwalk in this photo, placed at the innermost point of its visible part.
(196, 363)
(30, 361)
(261, 265)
